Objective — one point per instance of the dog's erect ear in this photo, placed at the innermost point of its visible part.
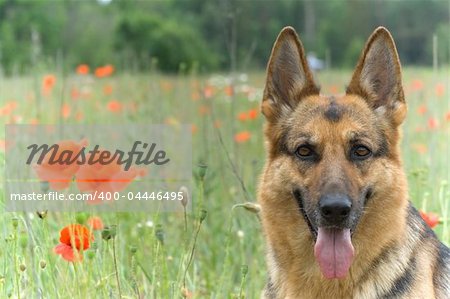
(377, 77)
(288, 76)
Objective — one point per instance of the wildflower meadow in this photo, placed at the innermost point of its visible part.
(214, 248)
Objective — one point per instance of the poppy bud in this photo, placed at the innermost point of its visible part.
(113, 230)
(42, 264)
(106, 234)
(95, 222)
(15, 222)
(159, 233)
(109, 232)
(81, 218)
(90, 254)
(202, 171)
(42, 214)
(23, 239)
(203, 214)
(244, 270)
(22, 267)
(10, 238)
(249, 206)
(185, 193)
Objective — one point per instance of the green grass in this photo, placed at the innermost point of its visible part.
(222, 256)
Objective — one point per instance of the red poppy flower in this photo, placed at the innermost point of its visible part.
(419, 129)
(33, 121)
(8, 108)
(433, 123)
(229, 90)
(104, 71)
(75, 93)
(422, 109)
(48, 82)
(66, 111)
(242, 137)
(430, 218)
(208, 91)
(417, 84)
(95, 223)
(74, 238)
(111, 177)
(83, 69)
(242, 116)
(114, 106)
(2, 145)
(420, 148)
(334, 89)
(253, 113)
(59, 176)
(194, 129)
(440, 89)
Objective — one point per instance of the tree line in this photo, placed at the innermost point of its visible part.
(213, 35)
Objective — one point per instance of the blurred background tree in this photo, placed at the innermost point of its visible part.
(209, 35)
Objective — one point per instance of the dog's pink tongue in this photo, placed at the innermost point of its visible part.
(334, 252)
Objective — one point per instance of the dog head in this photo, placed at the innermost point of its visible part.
(330, 154)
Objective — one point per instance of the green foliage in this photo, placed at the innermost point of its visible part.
(353, 51)
(170, 42)
(443, 45)
(207, 35)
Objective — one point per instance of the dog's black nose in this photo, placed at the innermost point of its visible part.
(335, 208)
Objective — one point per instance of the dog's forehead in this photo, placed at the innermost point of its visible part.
(346, 114)
(332, 108)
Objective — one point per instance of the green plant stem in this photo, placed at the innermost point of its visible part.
(16, 270)
(191, 256)
(115, 267)
(185, 219)
(241, 288)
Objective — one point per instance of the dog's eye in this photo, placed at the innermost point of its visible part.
(304, 152)
(360, 152)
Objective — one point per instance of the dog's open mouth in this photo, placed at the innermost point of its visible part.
(299, 199)
(333, 247)
(334, 252)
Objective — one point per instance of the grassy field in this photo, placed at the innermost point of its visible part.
(155, 255)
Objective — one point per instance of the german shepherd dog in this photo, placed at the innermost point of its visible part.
(333, 193)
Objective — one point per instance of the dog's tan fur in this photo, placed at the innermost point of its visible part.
(396, 254)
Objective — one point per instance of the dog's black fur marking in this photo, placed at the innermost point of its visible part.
(403, 283)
